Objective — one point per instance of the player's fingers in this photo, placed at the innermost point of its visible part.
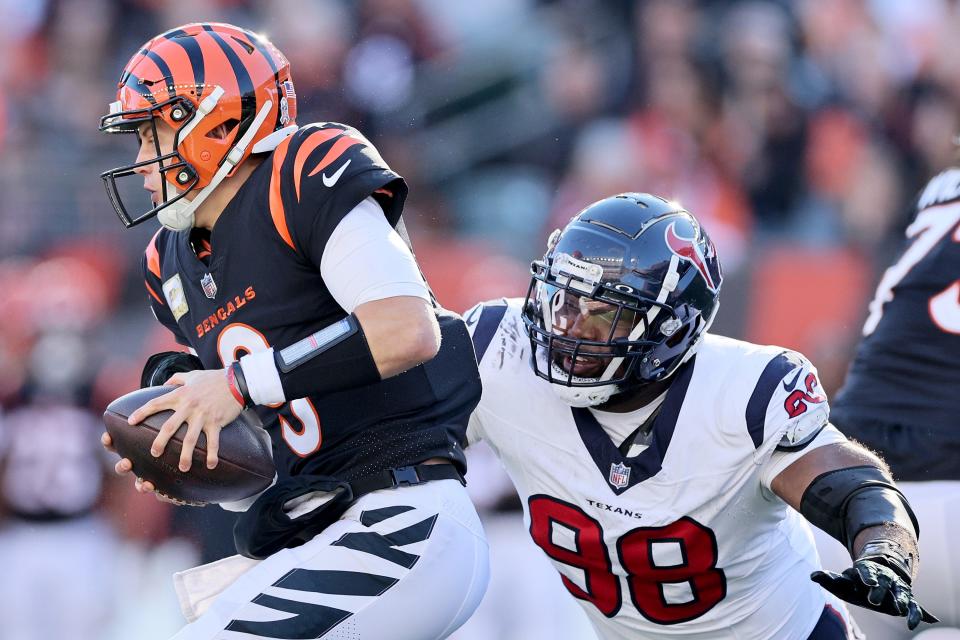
(213, 447)
(144, 486)
(825, 578)
(106, 441)
(166, 432)
(913, 615)
(123, 466)
(876, 595)
(157, 404)
(186, 449)
(866, 574)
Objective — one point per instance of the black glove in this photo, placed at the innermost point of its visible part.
(871, 584)
(160, 366)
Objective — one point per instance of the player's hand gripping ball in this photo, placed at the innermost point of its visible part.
(245, 465)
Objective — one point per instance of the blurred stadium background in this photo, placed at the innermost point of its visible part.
(797, 131)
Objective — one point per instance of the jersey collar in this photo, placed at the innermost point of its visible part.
(620, 472)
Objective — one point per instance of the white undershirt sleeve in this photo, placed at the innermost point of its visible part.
(365, 259)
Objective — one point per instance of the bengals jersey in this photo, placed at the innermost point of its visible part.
(257, 284)
(905, 370)
(678, 534)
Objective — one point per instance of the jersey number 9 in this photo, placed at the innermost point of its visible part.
(299, 422)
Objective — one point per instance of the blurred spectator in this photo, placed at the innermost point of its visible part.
(796, 130)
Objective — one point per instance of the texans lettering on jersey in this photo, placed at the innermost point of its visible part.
(682, 536)
(258, 285)
(905, 368)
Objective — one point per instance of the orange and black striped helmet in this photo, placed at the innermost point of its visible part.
(197, 78)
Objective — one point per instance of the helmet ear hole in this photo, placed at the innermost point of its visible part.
(223, 130)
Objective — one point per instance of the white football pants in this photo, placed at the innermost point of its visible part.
(407, 564)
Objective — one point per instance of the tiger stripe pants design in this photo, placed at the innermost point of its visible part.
(408, 564)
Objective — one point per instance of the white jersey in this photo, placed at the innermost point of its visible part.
(681, 537)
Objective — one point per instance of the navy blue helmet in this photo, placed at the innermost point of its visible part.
(621, 298)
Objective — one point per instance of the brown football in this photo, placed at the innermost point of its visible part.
(245, 464)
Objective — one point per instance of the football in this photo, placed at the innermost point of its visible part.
(245, 464)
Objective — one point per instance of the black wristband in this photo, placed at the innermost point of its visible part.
(890, 554)
(241, 381)
(334, 359)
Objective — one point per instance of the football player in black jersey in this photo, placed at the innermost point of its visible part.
(282, 266)
(902, 393)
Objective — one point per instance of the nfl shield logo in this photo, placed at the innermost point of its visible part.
(209, 286)
(619, 475)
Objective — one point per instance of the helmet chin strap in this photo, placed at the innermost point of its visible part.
(181, 214)
(583, 397)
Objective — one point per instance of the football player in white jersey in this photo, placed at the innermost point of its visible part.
(658, 463)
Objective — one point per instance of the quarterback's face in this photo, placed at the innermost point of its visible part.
(152, 176)
(582, 318)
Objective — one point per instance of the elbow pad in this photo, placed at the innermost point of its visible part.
(844, 502)
(160, 366)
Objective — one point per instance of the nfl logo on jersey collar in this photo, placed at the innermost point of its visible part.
(619, 475)
(209, 286)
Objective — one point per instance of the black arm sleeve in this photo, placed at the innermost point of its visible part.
(844, 502)
(333, 359)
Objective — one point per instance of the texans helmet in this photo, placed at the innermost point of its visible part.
(621, 298)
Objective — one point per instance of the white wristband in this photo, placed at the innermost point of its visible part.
(263, 379)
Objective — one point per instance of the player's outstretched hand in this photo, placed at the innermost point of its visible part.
(872, 585)
(203, 401)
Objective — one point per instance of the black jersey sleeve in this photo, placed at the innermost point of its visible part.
(152, 279)
(327, 170)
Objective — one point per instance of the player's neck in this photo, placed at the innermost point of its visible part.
(634, 400)
(210, 210)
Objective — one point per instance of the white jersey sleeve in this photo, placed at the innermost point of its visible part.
(787, 407)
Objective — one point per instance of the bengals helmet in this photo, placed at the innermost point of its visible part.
(621, 298)
(197, 78)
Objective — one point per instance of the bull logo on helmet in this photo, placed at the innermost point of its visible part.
(688, 249)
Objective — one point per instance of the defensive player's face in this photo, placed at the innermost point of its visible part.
(582, 318)
(148, 150)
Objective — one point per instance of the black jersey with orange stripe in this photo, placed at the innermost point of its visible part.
(262, 287)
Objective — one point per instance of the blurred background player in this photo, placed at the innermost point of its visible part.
(280, 235)
(657, 462)
(58, 552)
(902, 394)
(797, 130)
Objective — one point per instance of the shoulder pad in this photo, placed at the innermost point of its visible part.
(316, 170)
(321, 155)
(488, 319)
(787, 399)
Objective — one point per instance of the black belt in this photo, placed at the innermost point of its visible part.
(405, 477)
(265, 527)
